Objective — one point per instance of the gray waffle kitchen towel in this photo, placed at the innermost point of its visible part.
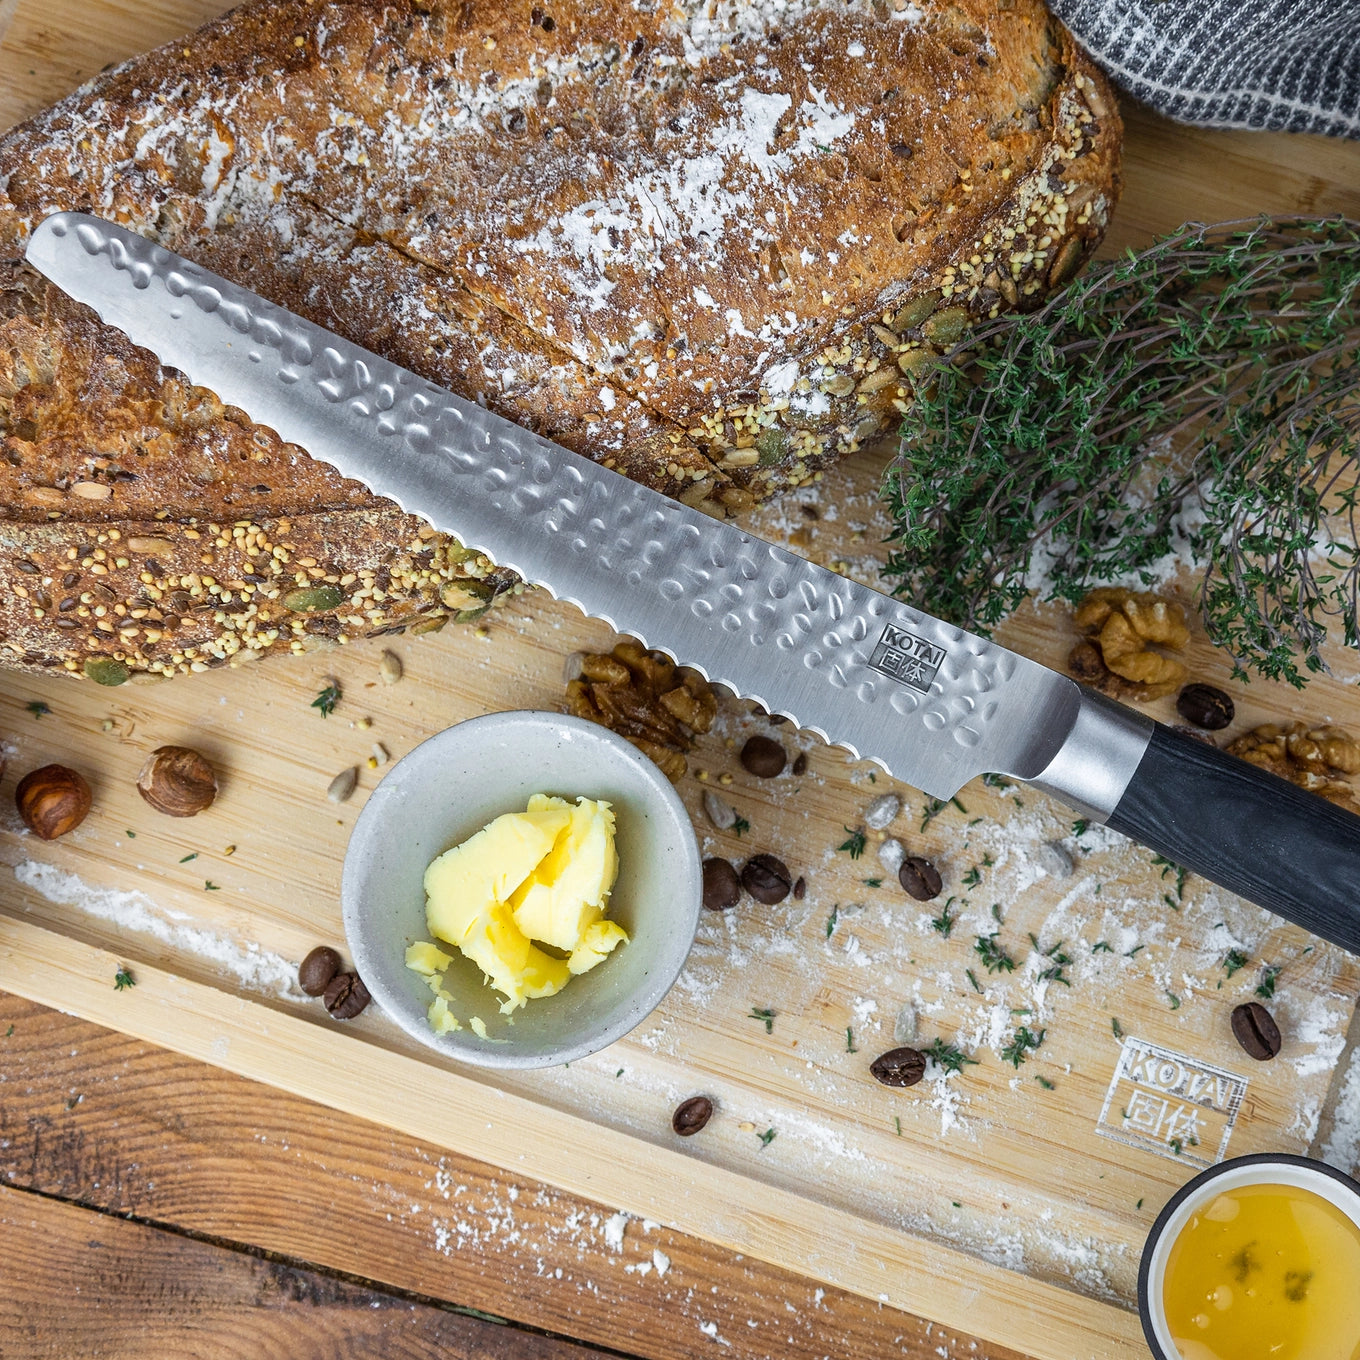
(1290, 65)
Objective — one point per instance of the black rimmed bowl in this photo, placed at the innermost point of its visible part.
(1265, 1168)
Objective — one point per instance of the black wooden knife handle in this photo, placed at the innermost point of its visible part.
(1256, 834)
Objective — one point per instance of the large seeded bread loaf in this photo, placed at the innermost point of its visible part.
(705, 242)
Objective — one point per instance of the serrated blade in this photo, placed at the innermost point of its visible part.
(933, 704)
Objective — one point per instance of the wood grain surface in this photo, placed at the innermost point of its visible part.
(1007, 1212)
(92, 1285)
(95, 1117)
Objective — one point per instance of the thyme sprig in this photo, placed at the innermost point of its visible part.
(1204, 390)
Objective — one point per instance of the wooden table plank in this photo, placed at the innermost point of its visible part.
(84, 1283)
(90, 1115)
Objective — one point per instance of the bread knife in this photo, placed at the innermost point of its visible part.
(933, 704)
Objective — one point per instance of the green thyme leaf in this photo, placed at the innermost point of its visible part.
(1234, 961)
(1022, 1042)
(1267, 987)
(741, 825)
(948, 1056)
(767, 1016)
(123, 978)
(326, 701)
(944, 922)
(37, 708)
(854, 847)
(767, 1138)
(993, 956)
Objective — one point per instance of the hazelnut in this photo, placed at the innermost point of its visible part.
(177, 781)
(52, 801)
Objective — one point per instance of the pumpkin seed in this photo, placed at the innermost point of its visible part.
(104, 670)
(311, 599)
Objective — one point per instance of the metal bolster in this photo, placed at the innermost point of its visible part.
(1094, 765)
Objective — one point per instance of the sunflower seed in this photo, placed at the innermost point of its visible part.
(342, 786)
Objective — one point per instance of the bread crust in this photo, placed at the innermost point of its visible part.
(705, 245)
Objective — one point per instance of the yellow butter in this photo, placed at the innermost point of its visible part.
(598, 941)
(543, 875)
(569, 889)
(426, 958)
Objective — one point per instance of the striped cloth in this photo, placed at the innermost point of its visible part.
(1288, 65)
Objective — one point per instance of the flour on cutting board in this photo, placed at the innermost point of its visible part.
(253, 967)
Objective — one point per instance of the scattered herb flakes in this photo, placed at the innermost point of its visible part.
(123, 978)
(1079, 827)
(897, 1118)
(1171, 902)
(996, 781)
(1116, 1028)
(1045, 1083)
(832, 919)
(1137, 949)
(130, 834)
(993, 956)
(325, 702)
(972, 878)
(873, 778)
(950, 1057)
(9, 1032)
(1234, 962)
(958, 1204)
(972, 977)
(618, 1074)
(1170, 866)
(854, 846)
(767, 1138)
(850, 1040)
(741, 825)
(996, 912)
(1174, 1001)
(872, 882)
(193, 854)
(1024, 1041)
(37, 708)
(943, 924)
(1267, 988)
(1058, 961)
(1102, 947)
(756, 1013)
(935, 806)
(1139, 1205)
(210, 886)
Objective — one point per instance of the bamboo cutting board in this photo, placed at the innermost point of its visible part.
(1007, 1202)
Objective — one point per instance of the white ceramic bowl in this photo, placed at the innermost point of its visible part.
(1264, 1168)
(447, 789)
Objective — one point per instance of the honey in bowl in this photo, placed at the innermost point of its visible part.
(1265, 1272)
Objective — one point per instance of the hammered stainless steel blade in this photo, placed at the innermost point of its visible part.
(933, 704)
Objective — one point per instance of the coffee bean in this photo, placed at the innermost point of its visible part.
(767, 879)
(722, 887)
(1205, 706)
(1255, 1029)
(800, 763)
(317, 969)
(920, 878)
(899, 1067)
(763, 757)
(800, 889)
(346, 996)
(691, 1115)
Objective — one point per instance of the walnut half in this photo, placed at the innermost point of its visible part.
(1313, 758)
(1122, 627)
(645, 697)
